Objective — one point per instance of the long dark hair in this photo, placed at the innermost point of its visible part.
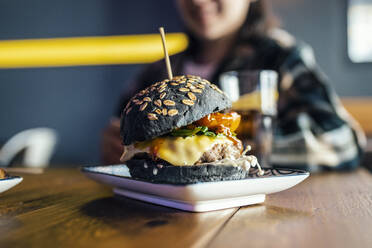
(260, 19)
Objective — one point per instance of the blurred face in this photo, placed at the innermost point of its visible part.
(213, 19)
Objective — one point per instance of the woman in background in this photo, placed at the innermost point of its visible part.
(313, 131)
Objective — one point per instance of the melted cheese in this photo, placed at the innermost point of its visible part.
(186, 151)
(176, 150)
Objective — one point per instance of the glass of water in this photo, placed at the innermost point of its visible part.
(254, 95)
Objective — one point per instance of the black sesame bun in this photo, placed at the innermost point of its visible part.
(161, 171)
(170, 104)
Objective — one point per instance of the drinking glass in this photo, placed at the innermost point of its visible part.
(254, 95)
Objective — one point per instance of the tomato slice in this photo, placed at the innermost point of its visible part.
(218, 121)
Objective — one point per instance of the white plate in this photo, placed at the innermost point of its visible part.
(197, 197)
(9, 182)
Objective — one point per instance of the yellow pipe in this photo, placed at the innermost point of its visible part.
(124, 49)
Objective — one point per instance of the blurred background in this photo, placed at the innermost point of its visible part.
(78, 101)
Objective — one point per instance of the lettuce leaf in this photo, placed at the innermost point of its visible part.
(201, 130)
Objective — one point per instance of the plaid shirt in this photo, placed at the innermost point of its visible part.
(313, 129)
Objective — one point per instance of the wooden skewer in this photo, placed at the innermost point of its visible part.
(166, 56)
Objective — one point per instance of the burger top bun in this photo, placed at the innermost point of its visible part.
(167, 105)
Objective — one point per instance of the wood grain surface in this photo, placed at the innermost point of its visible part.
(62, 208)
(328, 210)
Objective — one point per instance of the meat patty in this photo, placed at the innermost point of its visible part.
(220, 151)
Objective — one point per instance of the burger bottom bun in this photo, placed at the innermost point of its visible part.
(161, 171)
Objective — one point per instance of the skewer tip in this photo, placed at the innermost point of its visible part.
(166, 56)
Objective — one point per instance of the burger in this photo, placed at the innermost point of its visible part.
(181, 131)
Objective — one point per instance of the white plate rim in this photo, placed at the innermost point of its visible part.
(85, 169)
(9, 182)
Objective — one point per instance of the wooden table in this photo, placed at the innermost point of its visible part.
(62, 208)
